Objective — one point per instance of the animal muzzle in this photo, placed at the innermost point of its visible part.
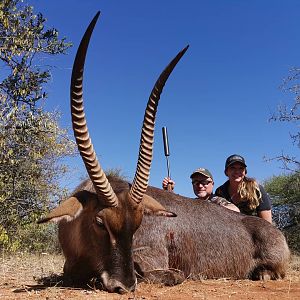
(115, 286)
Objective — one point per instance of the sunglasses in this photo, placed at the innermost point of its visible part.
(202, 182)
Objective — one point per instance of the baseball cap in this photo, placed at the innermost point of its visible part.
(202, 171)
(235, 158)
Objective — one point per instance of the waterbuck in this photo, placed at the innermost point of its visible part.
(96, 226)
(207, 240)
(110, 229)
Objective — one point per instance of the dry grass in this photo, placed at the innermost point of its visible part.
(29, 267)
(20, 274)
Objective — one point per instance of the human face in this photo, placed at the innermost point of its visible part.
(236, 172)
(202, 186)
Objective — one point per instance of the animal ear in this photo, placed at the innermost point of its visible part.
(68, 210)
(153, 207)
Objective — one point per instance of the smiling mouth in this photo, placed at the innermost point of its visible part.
(237, 177)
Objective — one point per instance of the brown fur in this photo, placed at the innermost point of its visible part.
(204, 241)
(101, 249)
(94, 249)
(209, 241)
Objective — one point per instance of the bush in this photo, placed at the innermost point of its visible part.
(31, 238)
(284, 188)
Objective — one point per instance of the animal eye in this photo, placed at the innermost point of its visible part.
(99, 221)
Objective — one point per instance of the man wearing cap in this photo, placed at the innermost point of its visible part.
(202, 181)
(245, 192)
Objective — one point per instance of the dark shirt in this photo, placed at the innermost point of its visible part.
(264, 202)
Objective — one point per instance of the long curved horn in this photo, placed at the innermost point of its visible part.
(141, 178)
(84, 144)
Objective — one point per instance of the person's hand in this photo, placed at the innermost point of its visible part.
(168, 184)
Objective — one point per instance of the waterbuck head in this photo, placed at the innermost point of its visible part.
(96, 224)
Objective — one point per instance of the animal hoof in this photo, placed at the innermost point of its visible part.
(165, 277)
(172, 278)
(264, 275)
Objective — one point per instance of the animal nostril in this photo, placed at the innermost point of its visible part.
(115, 286)
(120, 290)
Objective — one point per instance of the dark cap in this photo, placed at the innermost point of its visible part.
(235, 158)
(202, 171)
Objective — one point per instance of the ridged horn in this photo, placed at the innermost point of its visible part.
(84, 143)
(141, 178)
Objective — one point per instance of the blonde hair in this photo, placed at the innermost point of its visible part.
(249, 191)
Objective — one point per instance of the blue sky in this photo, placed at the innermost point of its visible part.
(217, 101)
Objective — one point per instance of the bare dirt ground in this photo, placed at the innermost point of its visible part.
(20, 280)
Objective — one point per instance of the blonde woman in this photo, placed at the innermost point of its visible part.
(244, 192)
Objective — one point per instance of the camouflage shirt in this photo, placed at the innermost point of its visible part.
(218, 200)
